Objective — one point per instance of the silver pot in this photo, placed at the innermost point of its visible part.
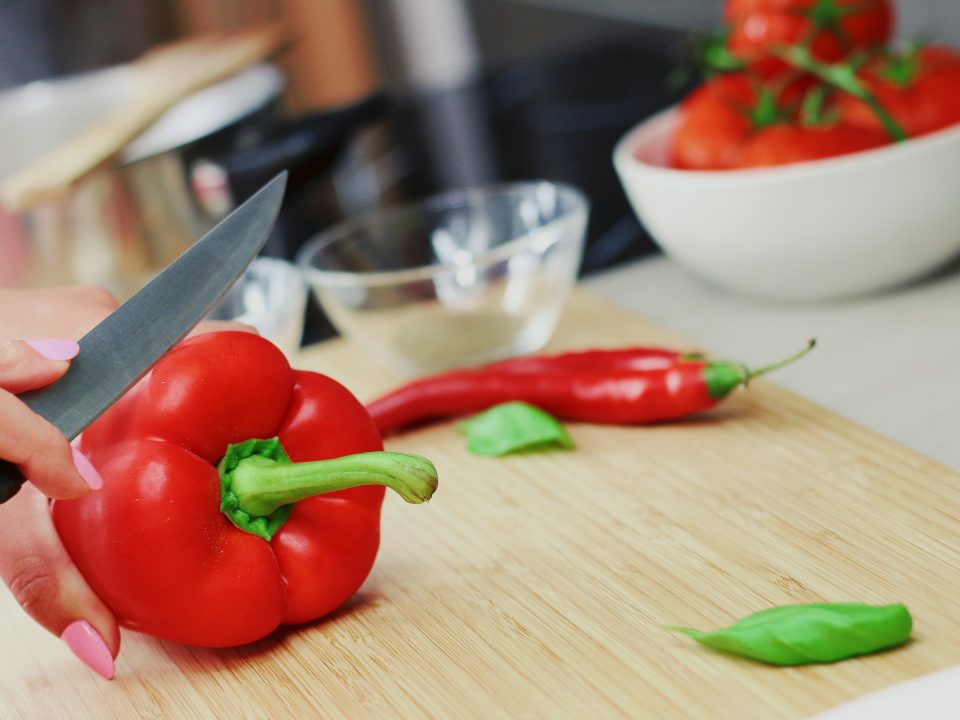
(123, 223)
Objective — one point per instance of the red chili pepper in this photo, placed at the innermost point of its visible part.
(605, 394)
(179, 551)
(634, 358)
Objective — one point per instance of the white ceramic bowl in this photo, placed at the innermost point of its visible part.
(813, 231)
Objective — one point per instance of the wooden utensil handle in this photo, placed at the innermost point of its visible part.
(11, 480)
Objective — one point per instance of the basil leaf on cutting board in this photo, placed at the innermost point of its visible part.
(815, 633)
(514, 427)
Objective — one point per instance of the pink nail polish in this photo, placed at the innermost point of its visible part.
(56, 349)
(86, 469)
(86, 644)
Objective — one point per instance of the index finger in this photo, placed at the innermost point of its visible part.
(42, 453)
(33, 364)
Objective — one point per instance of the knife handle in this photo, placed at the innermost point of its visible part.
(11, 480)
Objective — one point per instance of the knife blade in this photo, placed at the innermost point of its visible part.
(122, 348)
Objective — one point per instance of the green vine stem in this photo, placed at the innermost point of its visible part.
(842, 76)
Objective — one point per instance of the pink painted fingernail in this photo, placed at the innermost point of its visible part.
(86, 644)
(86, 469)
(56, 349)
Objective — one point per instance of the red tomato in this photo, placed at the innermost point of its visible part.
(922, 95)
(759, 26)
(788, 144)
(733, 9)
(714, 125)
(718, 117)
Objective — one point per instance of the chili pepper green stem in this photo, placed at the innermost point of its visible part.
(751, 374)
(842, 76)
(723, 377)
(259, 483)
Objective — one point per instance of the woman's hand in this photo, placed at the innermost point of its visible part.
(33, 562)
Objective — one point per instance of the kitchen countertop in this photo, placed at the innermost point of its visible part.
(888, 362)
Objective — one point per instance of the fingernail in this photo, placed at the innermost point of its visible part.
(56, 349)
(86, 644)
(86, 469)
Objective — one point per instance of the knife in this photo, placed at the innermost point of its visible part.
(122, 348)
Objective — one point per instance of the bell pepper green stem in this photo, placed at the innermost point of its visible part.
(263, 485)
(259, 483)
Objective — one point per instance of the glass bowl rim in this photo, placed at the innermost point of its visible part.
(459, 197)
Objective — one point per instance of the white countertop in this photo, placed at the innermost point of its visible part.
(890, 362)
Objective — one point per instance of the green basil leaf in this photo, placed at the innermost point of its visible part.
(816, 633)
(513, 427)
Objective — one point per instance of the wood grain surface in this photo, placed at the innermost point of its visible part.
(536, 586)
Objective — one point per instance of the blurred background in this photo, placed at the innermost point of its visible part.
(444, 93)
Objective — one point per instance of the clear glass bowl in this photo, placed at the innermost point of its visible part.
(272, 297)
(460, 279)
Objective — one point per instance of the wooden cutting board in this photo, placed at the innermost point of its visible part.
(537, 586)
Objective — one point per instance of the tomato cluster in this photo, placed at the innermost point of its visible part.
(809, 79)
(830, 29)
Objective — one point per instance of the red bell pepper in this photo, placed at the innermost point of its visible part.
(181, 552)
